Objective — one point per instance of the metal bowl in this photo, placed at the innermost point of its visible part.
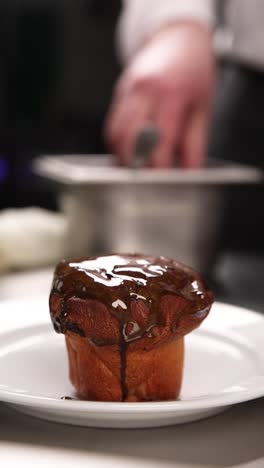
(176, 213)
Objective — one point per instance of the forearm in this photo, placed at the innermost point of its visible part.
(140, 19)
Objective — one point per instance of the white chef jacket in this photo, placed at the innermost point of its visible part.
(240, 36)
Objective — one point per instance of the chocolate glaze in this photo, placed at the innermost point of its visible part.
(123, 351)
(118, 281)
(73, 327)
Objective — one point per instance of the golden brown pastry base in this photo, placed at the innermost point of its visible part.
(152, 375)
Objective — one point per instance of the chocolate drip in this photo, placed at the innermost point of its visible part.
(123, 351)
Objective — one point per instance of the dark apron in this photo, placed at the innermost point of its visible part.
(237, 134)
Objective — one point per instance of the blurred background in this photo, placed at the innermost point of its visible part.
(59, 63)
(58, 67)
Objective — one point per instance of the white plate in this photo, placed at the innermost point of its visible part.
(224, 365)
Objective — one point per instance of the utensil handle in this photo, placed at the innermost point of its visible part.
(146, 140)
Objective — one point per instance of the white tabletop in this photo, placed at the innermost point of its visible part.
(232, 439)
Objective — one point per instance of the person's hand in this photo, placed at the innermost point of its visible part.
(168, 84)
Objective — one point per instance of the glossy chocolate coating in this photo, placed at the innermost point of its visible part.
(117, 281)
(144, 295)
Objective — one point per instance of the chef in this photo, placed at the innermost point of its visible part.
(169, 79)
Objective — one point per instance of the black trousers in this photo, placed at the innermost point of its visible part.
(237, 134)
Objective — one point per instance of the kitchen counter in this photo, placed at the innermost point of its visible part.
(231, 439)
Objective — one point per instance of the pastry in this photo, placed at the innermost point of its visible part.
(124, 318)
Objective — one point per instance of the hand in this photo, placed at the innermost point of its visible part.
(168, 84)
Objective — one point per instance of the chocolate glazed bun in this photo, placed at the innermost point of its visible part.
(124, 318)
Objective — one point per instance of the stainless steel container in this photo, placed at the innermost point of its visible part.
(176, 213)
